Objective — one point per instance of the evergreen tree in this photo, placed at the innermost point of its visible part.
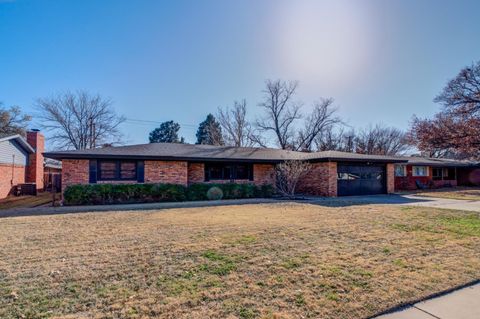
(167, 132)
(209, 132)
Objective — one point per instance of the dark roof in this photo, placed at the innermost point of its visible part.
(19, 139)
(181, 151)
(347, 156)
(443, 162)
(191, 152)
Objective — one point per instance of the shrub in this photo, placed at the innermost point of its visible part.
(197, 192)
(99, 194)
(214, 193)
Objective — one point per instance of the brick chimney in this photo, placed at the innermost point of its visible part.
(35, 161)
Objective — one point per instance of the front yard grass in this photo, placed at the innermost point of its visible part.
(26, 201)
(463, 193)
(282, 260)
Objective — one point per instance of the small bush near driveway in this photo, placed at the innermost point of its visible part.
(100, 194)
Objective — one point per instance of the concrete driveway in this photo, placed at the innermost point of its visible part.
(404, 200)
(471, 205)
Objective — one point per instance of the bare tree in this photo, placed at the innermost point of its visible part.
(322, 118)
(12, 121)
(381, 140)
(462, 94)
(288, 174)
(79, 120)
(236, 129)
(332, 139)
(455, 130)
(281, 113)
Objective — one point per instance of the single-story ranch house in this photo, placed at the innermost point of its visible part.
(333, 173)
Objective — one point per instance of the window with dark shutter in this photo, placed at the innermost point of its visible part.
(128, 170)
(228, 171)
(110, 170)
(107, 170)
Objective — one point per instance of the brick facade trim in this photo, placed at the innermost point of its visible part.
(74, 172)
(390, 178)
(36, 160)
(169, 172)
(321, 180)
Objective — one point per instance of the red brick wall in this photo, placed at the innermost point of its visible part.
(262, 174)
(444, 183)
(74, 171)
(6, 180)
(468, 176)
(320, 181)
(35, 161)
(196, 173)
(390, 178)
(173, 172)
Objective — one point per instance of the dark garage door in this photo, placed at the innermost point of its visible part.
(361, 179)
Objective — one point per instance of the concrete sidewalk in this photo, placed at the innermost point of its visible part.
(460, 304)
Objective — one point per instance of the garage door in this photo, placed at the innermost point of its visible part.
(361, 179)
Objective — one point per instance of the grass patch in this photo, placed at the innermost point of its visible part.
(247, 239)
(218, 264)
(468, 225)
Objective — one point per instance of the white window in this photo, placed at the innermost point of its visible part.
(400, 170)
(420, 171)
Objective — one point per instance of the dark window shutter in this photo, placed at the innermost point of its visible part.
(140, 171)
(207, 172)
(92, 178)
(250, 172)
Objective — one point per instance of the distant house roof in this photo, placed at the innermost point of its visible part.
(193, 152)
(19, 139)
(51, 163)
(443, 162)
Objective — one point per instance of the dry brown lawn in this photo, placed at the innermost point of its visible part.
(284, 260)
(43, 198)
(453, 193)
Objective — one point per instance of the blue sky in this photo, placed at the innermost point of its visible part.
(382, 61)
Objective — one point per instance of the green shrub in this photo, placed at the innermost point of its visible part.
(101, 194)
(198, 192)
(214, 193)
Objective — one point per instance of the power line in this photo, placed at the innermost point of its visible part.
(148, 122)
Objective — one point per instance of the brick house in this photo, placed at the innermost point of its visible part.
(333, 173)
(421, 172)
(21, 161)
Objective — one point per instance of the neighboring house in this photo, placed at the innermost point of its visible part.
(52, 174)
(435, 173)
(333, 173)
(21, 161)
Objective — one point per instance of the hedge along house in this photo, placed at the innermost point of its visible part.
(332, 174)
(421, 172)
